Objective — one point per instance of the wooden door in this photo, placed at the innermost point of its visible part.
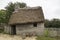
(13, 29)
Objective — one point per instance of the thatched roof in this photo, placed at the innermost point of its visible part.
(27, 15)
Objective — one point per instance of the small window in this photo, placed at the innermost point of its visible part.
(35, 24)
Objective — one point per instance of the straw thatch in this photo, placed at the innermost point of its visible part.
(27, 15)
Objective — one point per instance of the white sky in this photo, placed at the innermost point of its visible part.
(51, 8)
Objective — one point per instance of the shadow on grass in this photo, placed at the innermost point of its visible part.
(1, 30)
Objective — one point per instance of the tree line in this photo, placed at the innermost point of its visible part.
(54, 23)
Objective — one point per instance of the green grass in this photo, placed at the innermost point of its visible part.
(45, 38)
(46, 33)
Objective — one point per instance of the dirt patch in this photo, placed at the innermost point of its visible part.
(14, 37)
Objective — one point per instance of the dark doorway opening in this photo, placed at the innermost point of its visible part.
(13, 29)
(35, 24)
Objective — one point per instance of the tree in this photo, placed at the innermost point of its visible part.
(54, 23)
(47, 23)
(10, 8)
(2, 16)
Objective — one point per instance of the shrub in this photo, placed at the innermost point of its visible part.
(46, 33)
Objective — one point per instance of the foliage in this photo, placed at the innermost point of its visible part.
(10, 8)
(54, 23)
(46, 33)
(2, 16)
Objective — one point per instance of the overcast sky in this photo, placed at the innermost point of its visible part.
(51, 8)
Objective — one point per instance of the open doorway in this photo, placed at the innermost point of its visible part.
(13, 29)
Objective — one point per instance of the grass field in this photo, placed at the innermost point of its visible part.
(47, 38)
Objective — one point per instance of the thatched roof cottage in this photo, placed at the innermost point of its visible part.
(27, 21)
